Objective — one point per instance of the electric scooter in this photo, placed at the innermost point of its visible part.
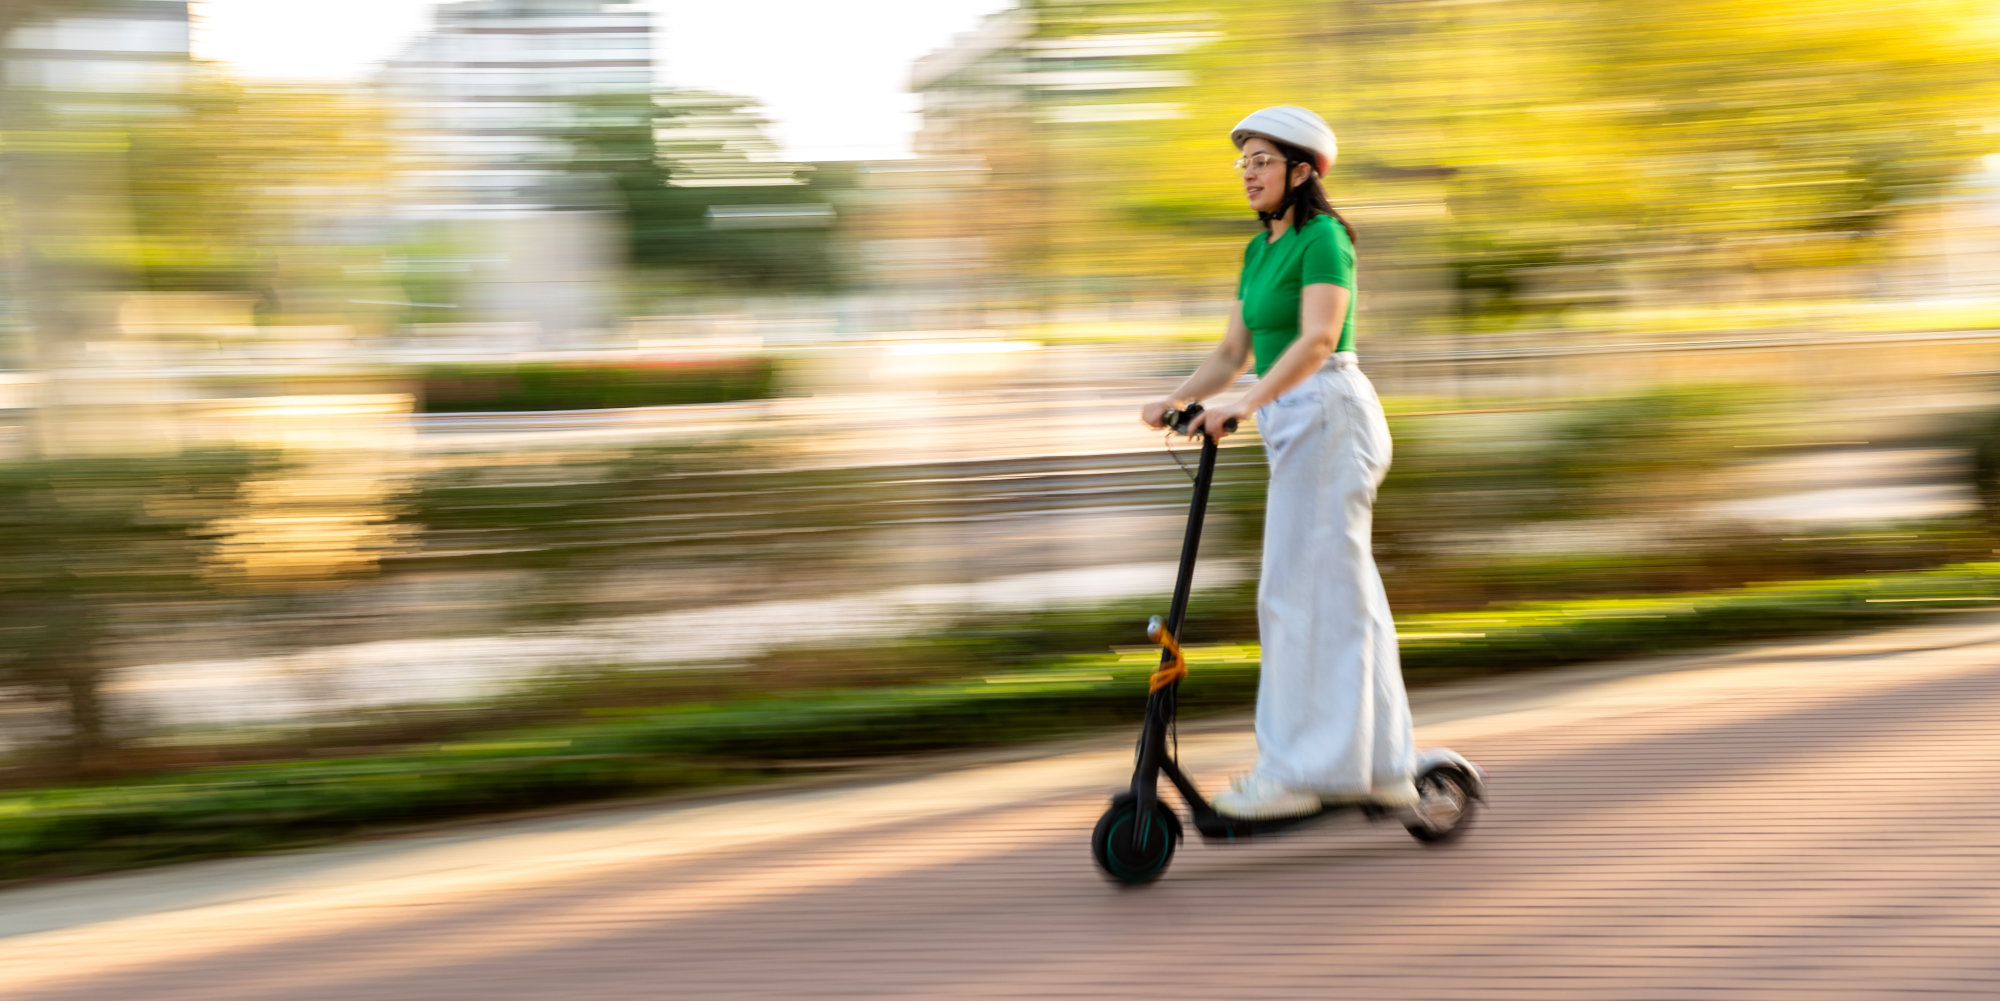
(1136, 837)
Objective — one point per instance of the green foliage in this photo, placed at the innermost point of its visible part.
(503, 386)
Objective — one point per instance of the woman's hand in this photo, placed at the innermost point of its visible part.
(1155, 413)
(1214, 421)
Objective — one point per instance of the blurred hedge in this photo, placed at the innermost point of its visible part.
(1984, 444)
(609, 752)
(528, 386)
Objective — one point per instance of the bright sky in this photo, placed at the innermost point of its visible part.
(832, 76)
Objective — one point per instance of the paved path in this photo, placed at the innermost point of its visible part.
(1816, 820)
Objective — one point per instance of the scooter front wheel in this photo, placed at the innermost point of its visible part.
(1130, 859)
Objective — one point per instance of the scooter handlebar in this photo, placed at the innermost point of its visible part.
(1180, 420)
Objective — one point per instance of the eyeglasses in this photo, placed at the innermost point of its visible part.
(1254, 163)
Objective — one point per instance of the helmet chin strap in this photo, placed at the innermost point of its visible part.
(1285, 203)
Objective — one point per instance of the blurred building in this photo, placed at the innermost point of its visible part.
(1064, 71)
(489, 92)
(122, 48)
(974, 85)
(1002, 96)
(486, 99)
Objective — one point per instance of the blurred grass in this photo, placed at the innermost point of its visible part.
(608, 751)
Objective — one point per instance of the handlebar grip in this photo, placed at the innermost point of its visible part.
(1178, 420)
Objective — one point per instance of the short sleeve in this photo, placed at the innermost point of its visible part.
(1328, 256)
(1243, 274)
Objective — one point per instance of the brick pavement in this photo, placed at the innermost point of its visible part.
(1814, 820)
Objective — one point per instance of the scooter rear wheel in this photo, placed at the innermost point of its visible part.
(1444, 806)
(1115, 850)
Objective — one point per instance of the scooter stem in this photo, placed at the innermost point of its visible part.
(1197, 510)
(1161, 704)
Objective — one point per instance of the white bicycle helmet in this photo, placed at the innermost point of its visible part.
(1293, 125)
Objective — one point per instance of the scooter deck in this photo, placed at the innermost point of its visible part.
(1214, 826)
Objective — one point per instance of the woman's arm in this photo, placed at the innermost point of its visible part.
(1322, 314)
(1222, 367)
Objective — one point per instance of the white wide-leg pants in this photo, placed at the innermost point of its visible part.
(1332, 716)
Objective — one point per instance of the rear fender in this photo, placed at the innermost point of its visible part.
(1445, 757)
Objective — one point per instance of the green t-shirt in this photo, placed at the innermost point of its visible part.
(1274, 275)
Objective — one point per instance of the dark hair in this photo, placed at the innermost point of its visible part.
(1309, 197)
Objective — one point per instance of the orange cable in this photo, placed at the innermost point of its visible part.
(1173, 670)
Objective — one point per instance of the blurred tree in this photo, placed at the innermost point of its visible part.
(215, 186)
(259, 189)
(85, 541)
(255, 192)
(1675, 144)
(704, 189)
(1697, 140)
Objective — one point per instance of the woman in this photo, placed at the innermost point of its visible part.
(1333, 724)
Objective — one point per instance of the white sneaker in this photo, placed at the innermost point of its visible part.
(1345, 797)
(1395, 795)
(1387, 795)
(1255, 797)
